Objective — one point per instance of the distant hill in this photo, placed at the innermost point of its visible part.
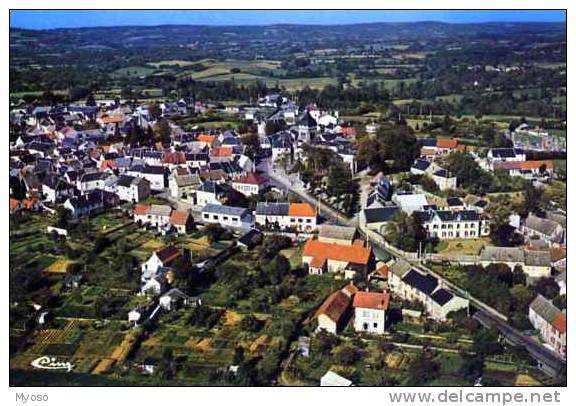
(327, 35)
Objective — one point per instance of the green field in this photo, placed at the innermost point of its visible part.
(133, 71)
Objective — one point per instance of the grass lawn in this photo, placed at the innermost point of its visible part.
(462, 246)
(171, 62)
(133, 71)
(214, 125)
(560, 165)
(294, 255)
(61, 92)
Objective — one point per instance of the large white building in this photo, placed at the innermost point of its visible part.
(447, 224)
(297, 216)
(226, 215)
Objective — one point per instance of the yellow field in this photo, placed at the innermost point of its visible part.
(397, 360)
(257, 344)
(103, 366)
(526, 380)
(198, 244)
(203, 345)
(60, 266)
(152, 244)
(232, 318)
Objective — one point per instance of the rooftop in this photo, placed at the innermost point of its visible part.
(372, 300)
(355, 253)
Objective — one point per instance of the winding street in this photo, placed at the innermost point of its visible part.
(291, 184)
(550, 362)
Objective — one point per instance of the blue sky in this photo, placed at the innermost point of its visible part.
(44, 19)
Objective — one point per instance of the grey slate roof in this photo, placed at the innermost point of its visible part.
(160, 210)
(424, 283)
(225, 210)
(337, 232)
(502, 254)
(544, 308)
(380, 214)
(400, 268)
(187, 180)
(537, 258)
(272, 209)
(544, 226)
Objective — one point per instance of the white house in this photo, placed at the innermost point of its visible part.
(161, 258)
(299, 216)
(550, 322)
(183, 186)
(506, 155)
(91, 181)
(156, 175)
(226, 215)
(444, 180)
(447, 224)
(370, 311)
(250, 184)
(181, 221)
(410, 202)
(209, 193)
(132, 189)
(332, 313)
(155, 215)
(56, 190)
(544, 229)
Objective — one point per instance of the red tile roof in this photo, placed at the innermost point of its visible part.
(209, 139)
(168, 254)
(523, 165)
(14, 204)
(141, 210)
(301, 210)
(349, 131)
(372, 300)
(318, 262)
(251, 179)
(179, 218)
(346, 253)
(559, 323)
(557, 253)
(108, 164)
(112, 119)
(383, 271)
(335, 306)
(447, 143)
(181, 171)
(221, 151)
(174, 158)
(29, 203)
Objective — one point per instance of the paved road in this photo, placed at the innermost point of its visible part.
(534, 348)
(555, 364)
(291, 184)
